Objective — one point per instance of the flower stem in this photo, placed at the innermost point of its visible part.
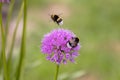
(3, 46)
(57, 71)
(23, 43)
(13, 39)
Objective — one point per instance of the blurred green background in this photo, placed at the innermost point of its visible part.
(95, 22)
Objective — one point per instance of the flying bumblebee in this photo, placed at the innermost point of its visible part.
(57, 19)
(73, 42)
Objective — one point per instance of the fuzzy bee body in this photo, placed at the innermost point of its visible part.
(57, 19)
(73, 42)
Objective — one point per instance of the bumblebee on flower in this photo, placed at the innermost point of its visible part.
(60, 46)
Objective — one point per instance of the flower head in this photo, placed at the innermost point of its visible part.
(5, 1)
(54, 45)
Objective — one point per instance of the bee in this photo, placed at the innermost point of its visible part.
(73, 42)
(57, 19)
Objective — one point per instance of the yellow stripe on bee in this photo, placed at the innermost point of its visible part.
(58, 19)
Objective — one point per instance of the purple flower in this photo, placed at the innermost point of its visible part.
(5, 1)
(54, 45)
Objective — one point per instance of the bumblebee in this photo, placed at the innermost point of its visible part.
(73, 42)
(57, 19)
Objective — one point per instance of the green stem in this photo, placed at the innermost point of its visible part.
(0, 60)
(3, 46)
(57, 71)
(23, 43)
(13, 39)
(9, 17)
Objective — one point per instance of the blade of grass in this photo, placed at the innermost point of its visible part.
(23, 43)
(3, 46)
(0, 61)
(1, 40)
(0, 53)
(7, 24)
(1, 56)
(13, 39)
